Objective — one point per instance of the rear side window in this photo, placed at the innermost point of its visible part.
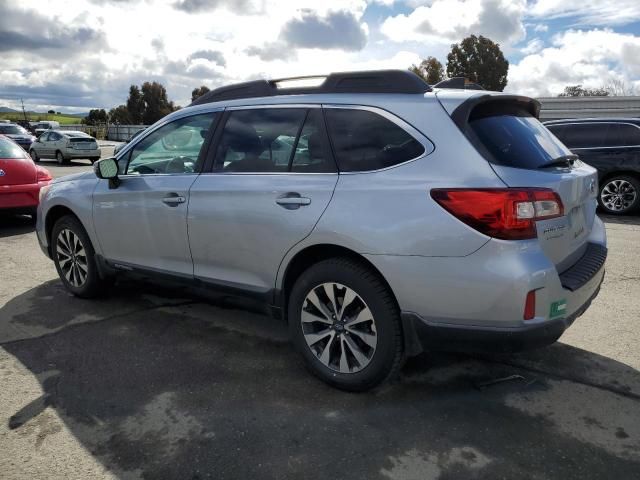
(515, 138)
(8, 149)
(269, 140)
(364, 141)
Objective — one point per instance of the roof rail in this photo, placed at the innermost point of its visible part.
(458, 82)
(375, 81)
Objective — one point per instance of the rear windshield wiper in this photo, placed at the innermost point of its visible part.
(563, 161)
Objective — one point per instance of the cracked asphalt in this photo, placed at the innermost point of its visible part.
(155, 381)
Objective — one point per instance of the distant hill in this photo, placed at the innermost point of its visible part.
(31, 112)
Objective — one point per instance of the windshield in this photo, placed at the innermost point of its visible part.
(517, 140)
(12, 130)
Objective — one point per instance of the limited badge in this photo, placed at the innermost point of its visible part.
(558, 308)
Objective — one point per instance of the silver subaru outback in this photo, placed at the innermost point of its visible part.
(380, 217)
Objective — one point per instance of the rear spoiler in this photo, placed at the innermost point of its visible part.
(492, 104)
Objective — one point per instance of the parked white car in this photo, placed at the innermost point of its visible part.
(65, 145)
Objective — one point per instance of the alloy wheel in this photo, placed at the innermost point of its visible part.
(618, 195)
(72, 257)
(339, 327)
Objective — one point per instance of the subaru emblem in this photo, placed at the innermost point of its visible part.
(2, 174)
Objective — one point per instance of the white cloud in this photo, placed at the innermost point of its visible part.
(451, 20)
(532, 46)
(591, 58)
(589, 12)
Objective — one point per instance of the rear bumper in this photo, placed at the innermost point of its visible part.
(79, 153)
(421, 334)
(20, 197)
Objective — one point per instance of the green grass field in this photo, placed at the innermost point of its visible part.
(36, 117)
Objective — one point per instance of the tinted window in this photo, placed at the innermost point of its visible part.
(12, 130)
(363, 140)
(585, 135)
(260, 140)
(173, 148)
(8, 149)
(517, 140)
(312, 154)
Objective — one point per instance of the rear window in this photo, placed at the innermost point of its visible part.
(515, 138)
(363, 140)
(8, 149)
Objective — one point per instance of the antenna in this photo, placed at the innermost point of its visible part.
(23, 112)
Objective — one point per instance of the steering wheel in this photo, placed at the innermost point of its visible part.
(179, 165)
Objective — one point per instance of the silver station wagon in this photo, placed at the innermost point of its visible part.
(377, 215)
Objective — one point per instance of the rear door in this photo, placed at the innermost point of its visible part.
(272, 178)
(524, 153)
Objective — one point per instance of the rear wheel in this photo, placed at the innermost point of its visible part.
(620, 195)
(34, 155)
(74, 258)
(345, 323)
(60, 158)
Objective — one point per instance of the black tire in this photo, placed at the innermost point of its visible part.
(388, 356)
(60, 158)
(34, 155)
(93, 285)
(631, 186)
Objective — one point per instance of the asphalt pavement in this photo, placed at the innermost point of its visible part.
(154, 381)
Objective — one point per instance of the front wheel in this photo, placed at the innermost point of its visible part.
(74, 258)
(345, 323)
(620, 195)
(34, 155)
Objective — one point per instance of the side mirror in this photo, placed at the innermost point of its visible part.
(107, 169)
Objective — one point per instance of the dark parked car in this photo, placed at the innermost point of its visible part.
(612, 146)
(18, 134)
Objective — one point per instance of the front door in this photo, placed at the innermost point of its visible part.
(272, 178)
(143, 222)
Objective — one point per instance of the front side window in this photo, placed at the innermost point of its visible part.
(363, 140)
(172, 149)
(629, 135)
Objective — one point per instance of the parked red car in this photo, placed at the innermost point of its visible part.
(20, 179)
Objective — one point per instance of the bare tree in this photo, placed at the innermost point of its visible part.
(618, 88)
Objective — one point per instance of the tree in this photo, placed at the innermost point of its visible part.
(120, 115)
(618, 88)
(198, 92)
(52, 112)
(480, 60)
(135, 105)
(430, 69)
(156, 103)
(578, 91)
(96, 117)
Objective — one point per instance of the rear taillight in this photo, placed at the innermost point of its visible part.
(505, 213)
(530, 306)
(43, 174)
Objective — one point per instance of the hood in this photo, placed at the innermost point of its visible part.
(15, 136)
(76, 176)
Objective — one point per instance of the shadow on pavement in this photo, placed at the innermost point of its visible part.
(620, 219)
(11, 225)
(152, 381)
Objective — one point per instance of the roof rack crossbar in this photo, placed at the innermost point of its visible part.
(376, 81)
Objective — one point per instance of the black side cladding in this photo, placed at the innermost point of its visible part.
(584, 269)
(375, 81)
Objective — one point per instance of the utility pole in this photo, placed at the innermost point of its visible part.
(23, 112)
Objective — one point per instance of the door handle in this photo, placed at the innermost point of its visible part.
(173, 199)
(292, 200)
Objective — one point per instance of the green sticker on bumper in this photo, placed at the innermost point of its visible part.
(558, 308)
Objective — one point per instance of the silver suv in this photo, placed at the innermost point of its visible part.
(378, 216)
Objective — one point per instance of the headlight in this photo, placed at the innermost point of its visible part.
(43, 192)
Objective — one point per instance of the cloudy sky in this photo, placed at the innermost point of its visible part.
(72, 56)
